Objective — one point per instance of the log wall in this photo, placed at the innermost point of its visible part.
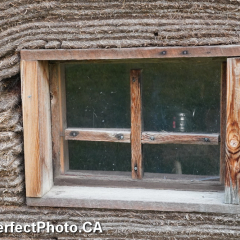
(66, 24)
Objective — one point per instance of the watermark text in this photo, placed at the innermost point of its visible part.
(86, 227)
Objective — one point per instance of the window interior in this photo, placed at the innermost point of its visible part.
(178, 95)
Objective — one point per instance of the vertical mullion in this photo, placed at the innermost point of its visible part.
(136, 123)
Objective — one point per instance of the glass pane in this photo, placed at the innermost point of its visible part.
(102, 156)
(181, 159)
(182, 96)
(98, 95)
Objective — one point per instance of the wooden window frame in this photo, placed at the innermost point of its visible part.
(38, 112)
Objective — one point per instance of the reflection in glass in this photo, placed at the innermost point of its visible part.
(182, 96)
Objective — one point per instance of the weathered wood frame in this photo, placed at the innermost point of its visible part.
(37, 127)
(232, 178)
(58, 119)
(36, 108)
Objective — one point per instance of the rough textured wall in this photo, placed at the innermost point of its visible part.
(27, 24)
(108, 23)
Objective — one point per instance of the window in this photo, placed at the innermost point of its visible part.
(174, 120)
(167, 130)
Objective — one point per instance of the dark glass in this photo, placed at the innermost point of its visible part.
(102, 156)
(182, 159)
(97, 95)
(182, 96)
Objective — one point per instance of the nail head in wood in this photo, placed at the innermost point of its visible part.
(163, 52)
(206, 140)
(74, 133)
(185, 52)
(119, 136)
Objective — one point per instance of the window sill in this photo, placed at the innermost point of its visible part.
(134, 199)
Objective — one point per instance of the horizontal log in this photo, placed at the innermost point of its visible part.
(131, 53)
(98, 134)
(180, 138)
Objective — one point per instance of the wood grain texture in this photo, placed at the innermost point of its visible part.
(58, 117)
(98, 134)
(233, 132)
(134, 199)
(55, 116)
(180, 138)
(150, 181)
(64, 154)
(37, 128)
(136, 124)
(223, 120)
(131, 53)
